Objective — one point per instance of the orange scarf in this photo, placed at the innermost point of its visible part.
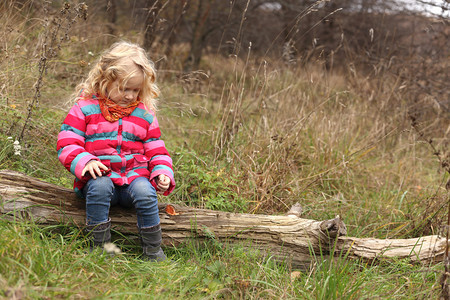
(113, 112)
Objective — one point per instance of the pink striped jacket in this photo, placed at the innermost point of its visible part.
(131, 147)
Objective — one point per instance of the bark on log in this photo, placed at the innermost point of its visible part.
(286, 237)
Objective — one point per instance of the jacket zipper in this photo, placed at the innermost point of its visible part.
(119, 149)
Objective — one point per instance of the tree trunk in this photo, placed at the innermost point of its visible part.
(197, 41)
(178, 15)
(288, 237)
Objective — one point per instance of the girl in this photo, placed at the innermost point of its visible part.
(110, 140)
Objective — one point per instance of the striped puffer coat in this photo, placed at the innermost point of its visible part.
(131, 147)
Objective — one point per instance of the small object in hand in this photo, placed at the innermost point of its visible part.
(105, 172)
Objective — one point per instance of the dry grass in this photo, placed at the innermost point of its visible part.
(339, 143)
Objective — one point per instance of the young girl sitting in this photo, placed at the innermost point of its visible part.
(110, 140)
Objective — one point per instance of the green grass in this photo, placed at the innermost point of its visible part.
(53, 262)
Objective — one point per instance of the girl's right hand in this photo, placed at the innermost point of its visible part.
(163, 183)
(94, 168)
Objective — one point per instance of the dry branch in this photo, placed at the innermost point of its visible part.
(286, 237)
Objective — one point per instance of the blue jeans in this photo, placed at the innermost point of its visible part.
(101, 194)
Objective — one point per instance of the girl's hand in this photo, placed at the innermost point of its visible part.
(94, 168)
(163, 183)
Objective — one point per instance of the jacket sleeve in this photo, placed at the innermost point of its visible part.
(70, 144)
(160, 160)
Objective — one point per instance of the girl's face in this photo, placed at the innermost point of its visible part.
(129, 92)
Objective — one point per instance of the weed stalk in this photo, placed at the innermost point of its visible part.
(50, 47)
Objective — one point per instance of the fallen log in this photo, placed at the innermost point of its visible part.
(286, 237)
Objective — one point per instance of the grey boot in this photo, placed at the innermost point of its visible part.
(99, 234)
(151, 238)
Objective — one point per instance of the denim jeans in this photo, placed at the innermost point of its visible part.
(101, 194)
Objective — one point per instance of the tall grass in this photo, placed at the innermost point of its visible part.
(308, 135)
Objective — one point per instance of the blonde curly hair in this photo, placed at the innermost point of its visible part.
(109, 68)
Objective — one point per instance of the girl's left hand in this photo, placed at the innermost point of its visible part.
(162, 183)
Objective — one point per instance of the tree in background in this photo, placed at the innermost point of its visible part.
(361, 32)
(198, 37)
